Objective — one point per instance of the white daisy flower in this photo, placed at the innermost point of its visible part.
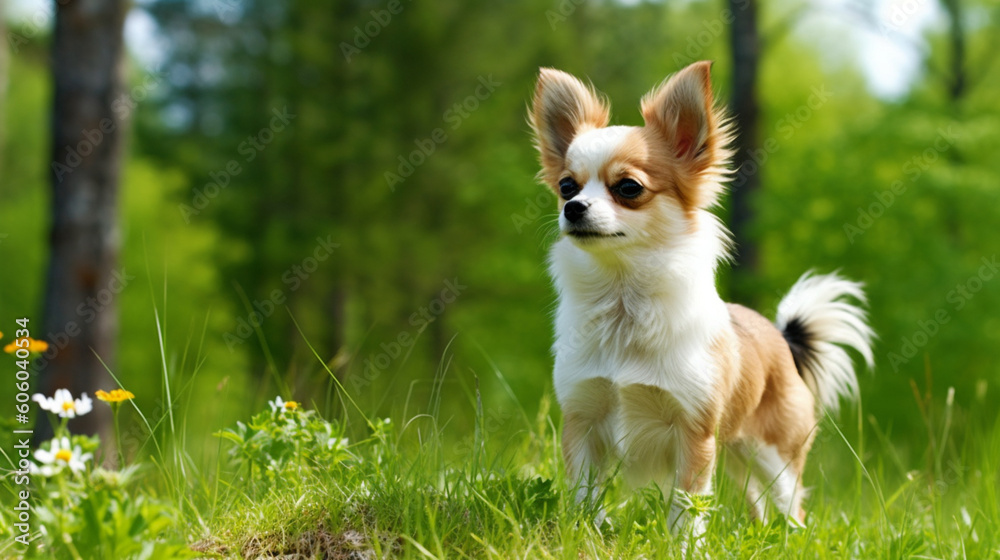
(63, 403)
(280, 405)
(60, 454)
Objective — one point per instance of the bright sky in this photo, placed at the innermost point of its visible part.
(883, 37)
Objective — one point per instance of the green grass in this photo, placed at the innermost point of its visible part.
(403, 498)
(422, 486)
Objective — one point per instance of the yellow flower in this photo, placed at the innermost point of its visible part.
(115, 396)
(34, 346)
(291, 405)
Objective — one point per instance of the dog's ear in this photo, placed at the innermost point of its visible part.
(562, 108)
(681, 111)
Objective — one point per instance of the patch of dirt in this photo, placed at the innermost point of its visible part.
(212, 547)
(318, 544)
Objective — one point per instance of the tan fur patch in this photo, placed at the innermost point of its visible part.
(681, 117)
(785, 415)
(645, 160)
(742, 385)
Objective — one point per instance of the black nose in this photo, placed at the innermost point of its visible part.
(575, 210)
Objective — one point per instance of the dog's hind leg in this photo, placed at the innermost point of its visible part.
(740, 474)
(778, 475)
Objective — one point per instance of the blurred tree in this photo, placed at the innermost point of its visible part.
(4, 70)
(262, 89)
(956, 36)
(745, 50)
(341, 79)
(80, 312)
(368, 90)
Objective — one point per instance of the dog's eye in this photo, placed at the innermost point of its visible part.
(628, 188)
(568, 187)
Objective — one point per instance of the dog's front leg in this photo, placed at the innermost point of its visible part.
(694, 481)
(587, 437)
(667, 444)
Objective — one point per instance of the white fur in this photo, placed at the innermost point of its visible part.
(586, 154)
(648, 318)
(590, 149)
(818, 301)
(638, 314)
(761, 468)
(636, 309)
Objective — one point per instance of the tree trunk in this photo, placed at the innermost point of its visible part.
(81, 312)
(745, 48)
(956, 36)
(4, 69)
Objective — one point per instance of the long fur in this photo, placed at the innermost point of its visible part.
(819, 322)
(652, 368)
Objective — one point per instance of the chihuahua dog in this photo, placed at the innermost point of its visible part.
(653, 371)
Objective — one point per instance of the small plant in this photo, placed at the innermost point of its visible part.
(287, 439)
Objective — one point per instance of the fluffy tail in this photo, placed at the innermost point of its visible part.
(818, 324)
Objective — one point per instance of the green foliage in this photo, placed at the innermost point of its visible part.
(454, 479)
(410, 490)
(472, 211)
(401, 498)
(102, 517)
(81, 511)
(23, 168)
(285, 440)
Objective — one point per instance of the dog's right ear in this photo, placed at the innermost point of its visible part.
(562, 108)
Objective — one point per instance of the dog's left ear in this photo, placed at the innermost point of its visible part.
(680, 110)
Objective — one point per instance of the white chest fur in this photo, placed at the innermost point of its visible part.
(653, 323)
